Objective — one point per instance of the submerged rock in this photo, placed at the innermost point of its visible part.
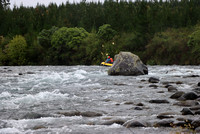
(133, 123)
(158, 101)
(172, 89)
(186, 111)
(164, 123)
(153, 80)
(190, 96)
(113, 121)
(77, 113)
(128, 64)
(177, 95)
(187, 103)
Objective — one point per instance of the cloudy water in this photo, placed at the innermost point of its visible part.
(84, 99)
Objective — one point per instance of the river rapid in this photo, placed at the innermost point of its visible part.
(84, 99)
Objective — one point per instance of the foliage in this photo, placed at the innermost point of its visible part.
(194, 44)
(67, 42)
(106, 33)
(44, 37)
(16, 51)
(169, 47)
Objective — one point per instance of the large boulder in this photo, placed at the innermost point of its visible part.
(129, 64)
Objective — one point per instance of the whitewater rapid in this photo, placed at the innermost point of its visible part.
(35, 99)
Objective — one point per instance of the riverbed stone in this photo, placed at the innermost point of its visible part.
(114, 121)
(198, 84)
(158, 101)
(172, 89)
(164, 123)
(187, 103)
(196, 123)
(186, 111)
(133, 123)
(153, 80)
(164, 116)
(196, 90)
(128, 64)
(190, 96)
(177, 95)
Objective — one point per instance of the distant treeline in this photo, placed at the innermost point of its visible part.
(160, 32)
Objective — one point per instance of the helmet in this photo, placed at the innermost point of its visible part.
(108, 57)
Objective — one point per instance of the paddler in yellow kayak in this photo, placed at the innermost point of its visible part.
(109, 60)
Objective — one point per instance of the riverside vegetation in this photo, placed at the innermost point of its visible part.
(159, 32)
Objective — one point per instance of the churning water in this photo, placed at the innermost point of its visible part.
(81, 99)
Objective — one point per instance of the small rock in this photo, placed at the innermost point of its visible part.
(186, 111)
(140, 104)
(198, 84)
(158, 101)
(164, 116)
(179, 82)
(177, 95)
(160, 92)
(164, 123)
(190, 96)
(33, 115)
(128, 103)
(38, 127)
(197, 107)
(114, 121)
(172, 89)
(153, 80)
(197, 130)
(90, 114)
(133, 123)
(196, 123)
(138, 108)
(20, 74)
(188, 103)
(196, 90)
(154, 86)
(197, 112)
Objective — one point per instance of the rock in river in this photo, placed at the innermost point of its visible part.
(128, 64)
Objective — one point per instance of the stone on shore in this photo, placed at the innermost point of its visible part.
(128, 64)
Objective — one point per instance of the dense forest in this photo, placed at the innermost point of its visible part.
(160, 32)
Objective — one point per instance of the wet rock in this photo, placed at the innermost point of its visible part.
(154, 86)
(188, 103)
(140, 104)
(153, 80)
(197, 112)
(33, 115)
(77, 113)
(138, 108)
(129, 103)
(20, 74)
(164, 116)
(196, 90)
(197, 130)
(2, 124)
(185, 120)
(197, 107)
(90, 114)
(133, 123)
(190, 96)
(179, 82)
(160, 92)
(164, 123)
(114, 121)
(180, 124)
(158, 101)
(127, 64)
(186, 111)
(172, 89)
(30, 73)
(188, 76)
(196, 123)
(177, 95)
(38, 127)
(198, 84)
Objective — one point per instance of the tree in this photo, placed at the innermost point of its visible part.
(16, 50)
(67, 44)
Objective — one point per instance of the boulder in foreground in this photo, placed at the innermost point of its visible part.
(129, 64)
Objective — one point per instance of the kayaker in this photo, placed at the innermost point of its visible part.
(109, 60)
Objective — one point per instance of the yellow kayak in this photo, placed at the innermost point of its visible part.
(106, 64)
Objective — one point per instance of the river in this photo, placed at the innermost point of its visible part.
(84, 99)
